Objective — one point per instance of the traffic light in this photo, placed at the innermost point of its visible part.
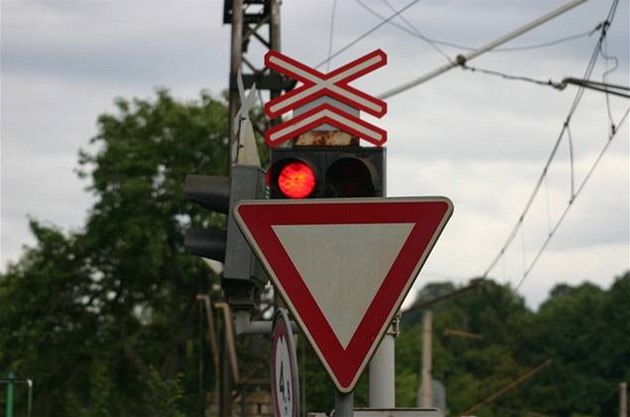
(326, 172)
(241, 274)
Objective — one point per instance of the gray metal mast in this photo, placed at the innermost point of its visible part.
(257, 20)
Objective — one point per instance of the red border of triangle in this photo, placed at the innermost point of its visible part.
(429, 215)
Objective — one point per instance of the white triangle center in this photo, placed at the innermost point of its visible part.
(343, 266)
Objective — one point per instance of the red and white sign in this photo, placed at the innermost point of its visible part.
(343, 266)
(335, 85)
(285, 388)
(319, 115)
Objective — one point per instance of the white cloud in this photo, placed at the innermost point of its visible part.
(478, 139)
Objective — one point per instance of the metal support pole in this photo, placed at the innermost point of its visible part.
(382, 374)
(9, 412)
(427, 360)
(344, 404)
(236, 58)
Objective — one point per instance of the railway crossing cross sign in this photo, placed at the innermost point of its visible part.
(343, 266)
(334, 85)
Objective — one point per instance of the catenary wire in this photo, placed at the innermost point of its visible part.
(366, 34)
(413, 31)
(604, 54)
(410, 29)
(463, 58)
(571, 201)
(548, 83)
(565, 126)
(331, 33)
(559, 85)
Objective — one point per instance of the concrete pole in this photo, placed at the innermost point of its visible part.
(623, 399)
(382, 374)
(427, 356)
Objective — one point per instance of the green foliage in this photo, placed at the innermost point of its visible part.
(163, 395)
(584, 330)
(92, 315)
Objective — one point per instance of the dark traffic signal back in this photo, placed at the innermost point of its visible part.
(241, 276)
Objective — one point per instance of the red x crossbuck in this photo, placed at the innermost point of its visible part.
(335, 85)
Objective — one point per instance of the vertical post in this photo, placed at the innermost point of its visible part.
(427, 354)
(382, 374)
(274, 28)
(235, 64)
(274, 42)
(344, 404)
(225, 409)
(9, 412)
(623, 399)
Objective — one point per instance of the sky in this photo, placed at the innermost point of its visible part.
(481, 140)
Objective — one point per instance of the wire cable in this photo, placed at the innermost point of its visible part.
(413, 31)
(462, 59)
(410, 29)
(570, 204)
(331, 33)
(565, 129)
(604, 54)
(548, 83)
(558, 85)
(366, 34)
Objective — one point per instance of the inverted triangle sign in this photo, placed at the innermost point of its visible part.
(343, 266)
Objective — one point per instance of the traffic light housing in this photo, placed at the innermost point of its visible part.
(326, 172)
(242, 275)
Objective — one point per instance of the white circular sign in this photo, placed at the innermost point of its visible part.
(285, 389)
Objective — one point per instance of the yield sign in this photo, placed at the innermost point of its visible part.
(343, 266)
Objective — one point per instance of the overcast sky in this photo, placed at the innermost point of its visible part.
(478, 139)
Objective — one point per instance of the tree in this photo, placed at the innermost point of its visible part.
(119, 295)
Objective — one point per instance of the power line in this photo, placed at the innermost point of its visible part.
(580, 35)
(369, 32)
(410, 29)
(560, 85)
(331, 33)
(424, 304)
(461, 59)
(574, 192)
(548, 83)
(570, 203)
(433, 42)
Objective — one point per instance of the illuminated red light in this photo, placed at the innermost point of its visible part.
(296, 180)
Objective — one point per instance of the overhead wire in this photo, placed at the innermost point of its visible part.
(606, 88)
(413, 31)
(547, 83)
(366, 34)
(410, 29)
(331, 33)
(571, 201)
(574, 192)
(464, 58)
(607, 59)
(586, 34)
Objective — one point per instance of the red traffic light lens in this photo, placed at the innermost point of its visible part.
(296, 180)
